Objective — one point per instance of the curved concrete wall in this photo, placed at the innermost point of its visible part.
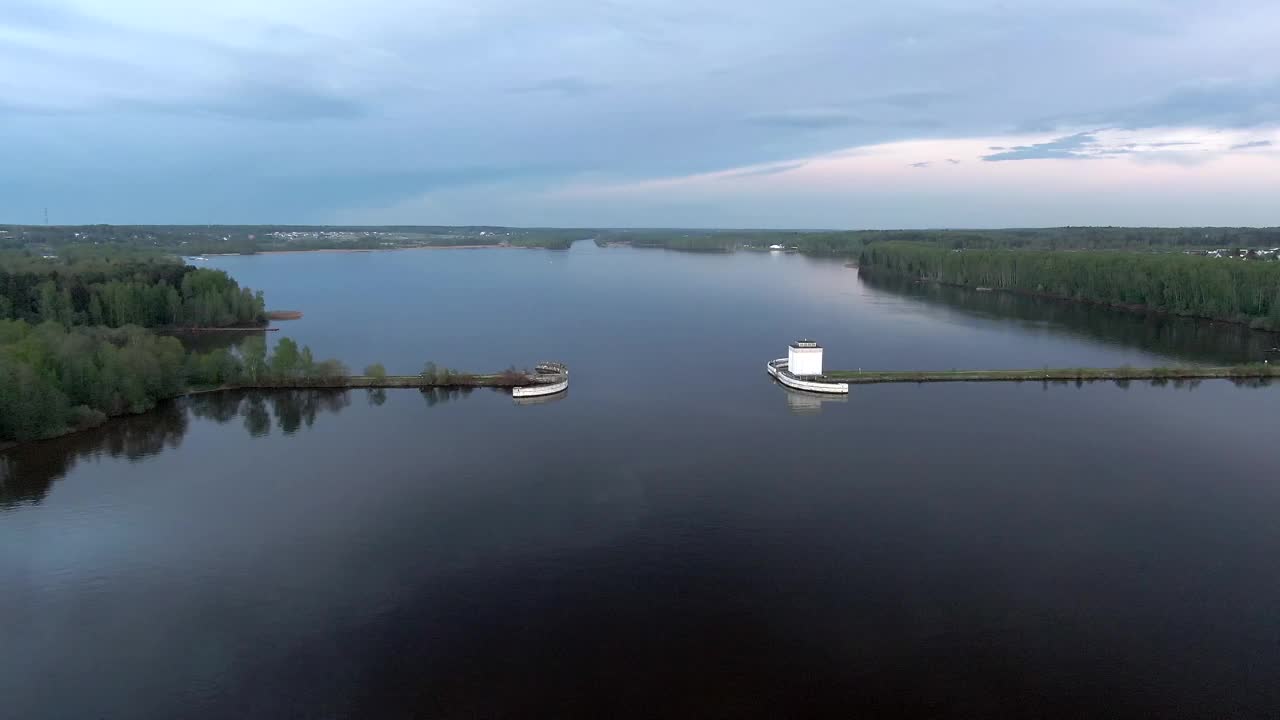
(795, 382)
(539, 390)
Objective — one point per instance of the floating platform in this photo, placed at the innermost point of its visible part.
(780, 371)
(549, 378)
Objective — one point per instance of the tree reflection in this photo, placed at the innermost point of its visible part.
(28, 471)
(295, 409)
(1188, 338)
(436, 395)
(256, 418)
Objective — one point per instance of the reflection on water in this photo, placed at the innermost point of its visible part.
(208, 341)
(290, 410)
(1195, 340)
(437, 395)
(27, 471)
(800, 402)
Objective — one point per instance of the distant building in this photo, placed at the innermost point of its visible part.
(804, 358)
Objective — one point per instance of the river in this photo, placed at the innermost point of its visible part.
(678, 535)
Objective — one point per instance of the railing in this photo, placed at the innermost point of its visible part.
(549, 378)
(778, 369)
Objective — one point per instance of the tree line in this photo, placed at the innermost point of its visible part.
(1232, 290)
(119, 292)
(196, 239)
(852, 242)
(55, 379)
(250, 239)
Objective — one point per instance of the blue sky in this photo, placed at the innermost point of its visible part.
(902, 113)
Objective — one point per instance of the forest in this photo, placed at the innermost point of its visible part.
(1246, 292)
(191, 240)
(115, 290)
(203, 239)
(55, 379)
(852, 242)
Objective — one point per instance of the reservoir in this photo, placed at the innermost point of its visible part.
(677, 535)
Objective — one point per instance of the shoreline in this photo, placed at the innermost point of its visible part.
(374, 250)
(345, 382)
(1119, 307)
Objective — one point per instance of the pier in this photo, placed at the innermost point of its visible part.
(549, 378)
(802, 370)
(1235, 372)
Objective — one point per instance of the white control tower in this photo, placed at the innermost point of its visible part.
(804, 358)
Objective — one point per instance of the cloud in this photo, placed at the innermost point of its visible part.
(1222, 104)
(930, 163)
(913, 100)
(777, 169)
(1181, 159)
(1252, 144)
(1069, 147)
(811, 119)
(568, 86)
(255, 101)
(42, 16)
(221, 95)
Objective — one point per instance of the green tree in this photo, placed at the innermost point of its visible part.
(376, 371)
(306, 362)
(331, 369)
(285, 360)
(253, 354)
(95, 310)
(430, 372)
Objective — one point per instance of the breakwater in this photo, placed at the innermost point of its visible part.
(1240, 372)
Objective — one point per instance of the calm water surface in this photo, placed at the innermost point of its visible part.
(676, 537)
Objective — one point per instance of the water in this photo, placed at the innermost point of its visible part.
(676, 537)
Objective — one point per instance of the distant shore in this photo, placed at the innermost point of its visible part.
(372, 250)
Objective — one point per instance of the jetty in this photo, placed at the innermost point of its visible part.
(548, 378)
(1234, 372)
(801, 369)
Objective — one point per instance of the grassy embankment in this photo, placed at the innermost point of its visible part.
(1237, 372)
(343, 382)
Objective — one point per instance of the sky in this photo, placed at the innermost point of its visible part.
(647, 113)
